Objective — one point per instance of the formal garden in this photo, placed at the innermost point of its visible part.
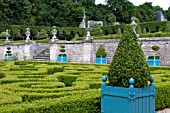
(110, 68)
(61, 87)
(55, 87)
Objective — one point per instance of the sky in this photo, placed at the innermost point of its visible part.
(162, 3)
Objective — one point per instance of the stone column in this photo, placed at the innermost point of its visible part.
(87, 52)
(27, 51)
(2, 53)
(53, 52)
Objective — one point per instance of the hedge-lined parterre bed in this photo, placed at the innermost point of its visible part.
(63, 87)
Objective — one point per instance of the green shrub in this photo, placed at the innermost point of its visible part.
(138, 29)
(101, 52)
(129, 62)
(119, 31)
(62, 50)
(144, 31)
(2, 35)
(42, 34)
(2, 75)
(67, 79)
(54, 70)
(78, 103)
(155, 47)
(167, 28)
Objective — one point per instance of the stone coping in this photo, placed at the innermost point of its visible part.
(98, 41)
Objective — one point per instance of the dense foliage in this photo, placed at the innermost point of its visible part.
(129, 62)
(30, 87)
(70, 12)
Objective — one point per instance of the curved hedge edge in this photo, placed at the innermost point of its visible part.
(87, 102)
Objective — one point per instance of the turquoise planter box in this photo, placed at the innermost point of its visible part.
(127, 100)
(153, 62)
(100, 60)
(62, 59)
(9, 56)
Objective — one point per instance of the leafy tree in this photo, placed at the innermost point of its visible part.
(122, 9)
(146, 12)
(129, 61)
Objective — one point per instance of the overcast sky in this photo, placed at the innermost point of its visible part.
(162, 3)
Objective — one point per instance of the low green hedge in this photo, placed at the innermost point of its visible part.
(85, 102)
(67, 79)
(31, 76)
(153, 68)
(2, 75)
(55, 69)
(162, 95)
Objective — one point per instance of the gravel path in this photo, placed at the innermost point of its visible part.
(167, 110)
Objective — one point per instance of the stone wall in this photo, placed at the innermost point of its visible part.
(82, 51)
(85, 51)
(20, 50)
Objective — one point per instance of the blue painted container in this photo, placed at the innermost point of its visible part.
(153, 62)
(9, 56)
(62, 59)
(100, 60)
(127, 100)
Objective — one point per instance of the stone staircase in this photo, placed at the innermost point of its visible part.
(42, 53)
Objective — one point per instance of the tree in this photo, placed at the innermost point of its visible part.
(146, 12)
(129, 61)
(122, 9)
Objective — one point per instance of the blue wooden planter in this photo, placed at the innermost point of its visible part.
(62, 59)
(127, 100)
(9, 56)
(100, 60)
(153, 62)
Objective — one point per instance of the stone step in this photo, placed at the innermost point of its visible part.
(42, 55)
(42, 59)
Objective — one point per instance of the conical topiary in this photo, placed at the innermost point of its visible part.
(119, 31)
(129, 61)
(138, 29)
(101, 52)
(144, 31)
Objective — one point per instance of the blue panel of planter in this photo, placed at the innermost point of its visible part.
(62, 59)
(153, 62)
(127, 100)
(8, 57)
(101, 60)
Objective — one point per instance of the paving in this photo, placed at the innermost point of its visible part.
(167, 110)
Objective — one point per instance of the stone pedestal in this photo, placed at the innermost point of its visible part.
(2, 54)
(53, 52)
(87, 52)
(27, 51)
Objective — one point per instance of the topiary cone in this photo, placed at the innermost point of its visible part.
(128, 62)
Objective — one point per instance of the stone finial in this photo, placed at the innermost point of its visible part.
(27, 35)
(88, 36)
(131, 82)
(54, 32)
(7, 36)
(134, 26)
